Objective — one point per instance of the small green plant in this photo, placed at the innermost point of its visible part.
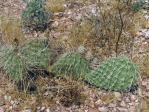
(118, 74)
(18, 60)
(71, 64)
(35, 15)
(36, 53)
(138, 5)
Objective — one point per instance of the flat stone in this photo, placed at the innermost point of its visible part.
(102, 109)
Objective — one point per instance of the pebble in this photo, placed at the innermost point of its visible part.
(133, 97)
(28, 110)
(122, 109)
(48, 110)
(42, 108)
(123, 104)
(102, 109)
(117, 95)
(112, 105)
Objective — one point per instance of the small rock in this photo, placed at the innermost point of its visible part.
(123, 104)
(102, 109)
(12, 102)
(117, 95)
(28, 110)
(98, 103)
(132, 109)
(42, 108)
(122, 109)
(48, 110)
(112, 105)
(133, 97)
(81, 49)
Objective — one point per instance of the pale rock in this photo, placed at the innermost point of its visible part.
(38, 108)
(117, 95)
(123, 104)
(46, 93)
(132, 109)
(55, 24)
(102, 109)
(81, 49)
(48, 110)
(42, 108)
(133, 97)
(112, 105)
(122, 109)
(28, 110)
(11, 102)
(98, 103)
(86, 111)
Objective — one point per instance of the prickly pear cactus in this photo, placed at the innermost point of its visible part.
(71, 64)
(36, 53)
(117, 74)
(12, 63)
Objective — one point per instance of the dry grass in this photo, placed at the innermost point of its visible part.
(144, 65)
(108, 31)
(11, 30)
(55, 5)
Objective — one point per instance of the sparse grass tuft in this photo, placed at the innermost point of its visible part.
(55, 5)
(11, 30)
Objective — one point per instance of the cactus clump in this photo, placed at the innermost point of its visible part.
(12, 63)
(116, 74)
(17, 61)
(36, 53)
(72, 64)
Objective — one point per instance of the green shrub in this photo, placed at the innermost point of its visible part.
(138, 5)
(118, 74)
(35, 15)
(72, 64)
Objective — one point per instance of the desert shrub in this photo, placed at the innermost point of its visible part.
(55, 5)
(35, 15)
(118, 74)
(11, 30)
(138, 5)
(112, 28)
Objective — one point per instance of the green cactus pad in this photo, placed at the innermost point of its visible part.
(36, 53)
(12, 63)
(117, 74)
(71, 64)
